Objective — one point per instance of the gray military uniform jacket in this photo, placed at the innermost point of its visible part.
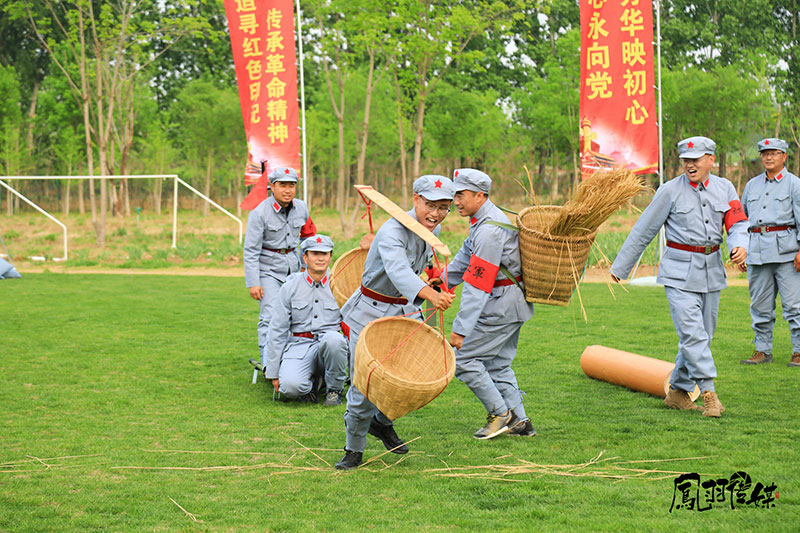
(477, 264)
(271, 226)
(773, 203)
(303, 306)
(693, 216)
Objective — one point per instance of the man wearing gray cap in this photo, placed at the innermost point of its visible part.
(772, 203)
(304, 337)
(391, 286)
(694, 208)
(492, 310)
(274, 230)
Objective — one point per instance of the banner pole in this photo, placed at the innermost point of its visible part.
(302, 101)
(661, 237)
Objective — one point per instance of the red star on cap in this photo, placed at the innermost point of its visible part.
(437, 184)
(456, 174)
(766, 142)
(286, 171)
(319, 239)
(690, 145)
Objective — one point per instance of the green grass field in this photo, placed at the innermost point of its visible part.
(126, 396)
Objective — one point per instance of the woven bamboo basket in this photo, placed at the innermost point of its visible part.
(346, 274)
(552, 265)
(402, 364)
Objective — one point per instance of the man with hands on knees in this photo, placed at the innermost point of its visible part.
(304, 337)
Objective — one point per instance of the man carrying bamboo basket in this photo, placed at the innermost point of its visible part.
(772, 203)
(391, 286)
(493, 308)
(693, 208)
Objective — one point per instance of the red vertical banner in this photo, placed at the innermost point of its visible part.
(262, 39)
(618, 125)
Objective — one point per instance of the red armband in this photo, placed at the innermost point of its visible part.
(308, 229)
(481, 274)
(734, 214)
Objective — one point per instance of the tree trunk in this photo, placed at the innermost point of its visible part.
(419, 124)
(32, 115)
(81, 204)
(362, 154)
(66, 194)
(403, 169)
(723, 167)
(207, 184)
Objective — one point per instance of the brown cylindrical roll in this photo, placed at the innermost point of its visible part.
(636, 372)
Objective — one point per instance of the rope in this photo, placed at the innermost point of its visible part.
(369, 211)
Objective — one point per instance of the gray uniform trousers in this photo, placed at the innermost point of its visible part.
(694, 315)
(765, 282)
(271, 287)
(360, 411)
(305, 358)
(484, 364)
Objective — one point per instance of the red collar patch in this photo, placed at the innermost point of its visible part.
(276, 206)
(694, 185)
(309, 280)
(324, 280)
(473, 221)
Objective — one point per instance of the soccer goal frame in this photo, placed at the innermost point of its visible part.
(177, 181)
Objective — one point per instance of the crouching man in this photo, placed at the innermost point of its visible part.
(304, 337)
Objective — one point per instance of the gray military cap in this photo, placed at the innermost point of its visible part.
(695, 147)
(283, 174)
(773, 144)
(433, 187)
(469, 179)
(317, 243)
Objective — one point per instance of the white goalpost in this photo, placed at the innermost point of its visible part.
(177, 181)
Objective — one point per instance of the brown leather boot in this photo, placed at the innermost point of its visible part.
(757, 358)
(711, 404)
(679, 399)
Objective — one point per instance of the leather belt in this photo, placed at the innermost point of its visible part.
(506, 282)
(697, 249)
(279, 250)
(306, 334)
(382, 297)
(767, 229)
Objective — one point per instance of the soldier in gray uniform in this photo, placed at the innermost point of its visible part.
(304, 337)
(391, 286)
(493, 309)
(274, 230)
(694, 208)
(772, 203)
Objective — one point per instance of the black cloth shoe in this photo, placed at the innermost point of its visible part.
(388, 436)
(350, 460)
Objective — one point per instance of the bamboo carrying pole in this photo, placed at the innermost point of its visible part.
(636, 372)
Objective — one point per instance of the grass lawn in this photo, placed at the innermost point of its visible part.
(119, 394)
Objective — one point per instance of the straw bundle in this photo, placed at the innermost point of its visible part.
(401, 365)
(598, 197)
(346, 274)
(555, 241)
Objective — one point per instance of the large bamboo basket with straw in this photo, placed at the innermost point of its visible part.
(346, 274)
(552, 265)
(402, 364)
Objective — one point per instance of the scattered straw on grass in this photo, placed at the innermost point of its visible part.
(598, 197)
(190, 515)
(608, 468)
